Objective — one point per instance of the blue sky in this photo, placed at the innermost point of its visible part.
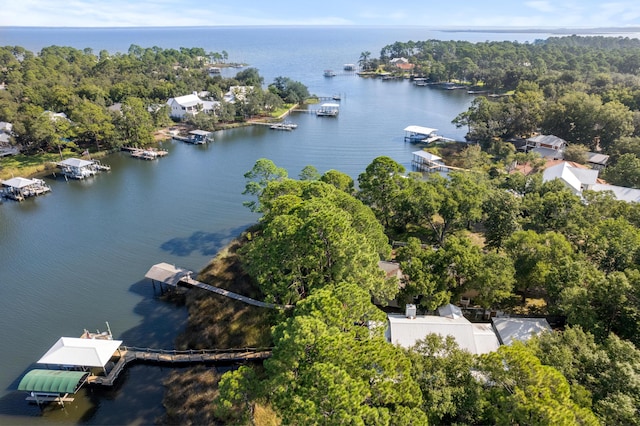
(434, 14)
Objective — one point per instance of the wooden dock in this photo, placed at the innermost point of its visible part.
(165, 273)
(129, 355)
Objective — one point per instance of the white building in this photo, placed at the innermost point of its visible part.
(510, 330)
(182, 106)
(406, 330)
(579, 178)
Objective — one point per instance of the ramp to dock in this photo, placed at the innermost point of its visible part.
(166, 273)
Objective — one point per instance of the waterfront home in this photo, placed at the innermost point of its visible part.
(182, 106)
(548, 146)
(19, 188)
(578, 178)
(406, 329)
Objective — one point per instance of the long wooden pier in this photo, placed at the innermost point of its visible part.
(160, 356)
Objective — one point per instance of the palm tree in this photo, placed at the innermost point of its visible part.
(364, 60)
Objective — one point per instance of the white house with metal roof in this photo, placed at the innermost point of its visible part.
(182, 106)
(579, 178)
(576, 177)
(510, 330)
(406, 329)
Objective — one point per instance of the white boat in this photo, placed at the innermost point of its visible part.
(329, 73)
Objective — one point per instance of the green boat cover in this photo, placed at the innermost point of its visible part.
(52, 381)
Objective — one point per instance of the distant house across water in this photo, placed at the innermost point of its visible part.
(182, 106)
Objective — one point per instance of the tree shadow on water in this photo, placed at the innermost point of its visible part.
(207, 243)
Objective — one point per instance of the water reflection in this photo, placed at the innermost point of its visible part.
(206, 243)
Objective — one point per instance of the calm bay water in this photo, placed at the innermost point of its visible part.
(76, 258)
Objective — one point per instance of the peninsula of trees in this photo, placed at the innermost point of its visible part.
(67, 99)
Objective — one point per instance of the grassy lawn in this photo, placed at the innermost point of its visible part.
(26, 165)
(36, 164)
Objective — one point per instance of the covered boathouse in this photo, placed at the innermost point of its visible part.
(76, 168)
(426, 162)
(52, 385)
(420, 134)
(19, 188)
(328, 110)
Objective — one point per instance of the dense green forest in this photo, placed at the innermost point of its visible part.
(510, 237)
(585, 90)
(113, 99)
(505, 236)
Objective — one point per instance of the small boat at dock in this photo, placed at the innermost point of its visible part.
(148, 154)
(283, 126)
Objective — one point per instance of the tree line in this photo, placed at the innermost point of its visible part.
(113, 99)
(585, 90)
(506, 236)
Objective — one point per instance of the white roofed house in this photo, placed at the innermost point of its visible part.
(406, 329)
(579, 178)
(575, 176)
(510, 330)
(182, 106)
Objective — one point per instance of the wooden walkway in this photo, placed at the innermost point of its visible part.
(161, 356)
(165, 273)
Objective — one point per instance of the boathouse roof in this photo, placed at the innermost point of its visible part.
(420, 130)
(166, 273)
(199, 132)
(80, 352)
(427, 155)
(76, 162)
(18, 182)
(52, 381)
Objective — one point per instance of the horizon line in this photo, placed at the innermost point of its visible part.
(634, 28)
